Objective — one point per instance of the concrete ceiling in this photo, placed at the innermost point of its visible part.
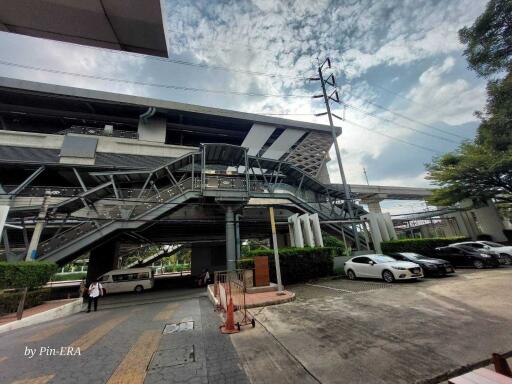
(126, 25)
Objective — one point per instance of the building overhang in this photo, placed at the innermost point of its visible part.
(31, 97)
(125, 25)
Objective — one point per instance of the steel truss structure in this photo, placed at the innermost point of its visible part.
(124, 201)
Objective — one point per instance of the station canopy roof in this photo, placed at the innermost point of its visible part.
(125, 25)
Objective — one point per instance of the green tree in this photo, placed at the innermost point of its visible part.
(482, 169)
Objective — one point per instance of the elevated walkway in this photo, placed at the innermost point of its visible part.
(221, 172)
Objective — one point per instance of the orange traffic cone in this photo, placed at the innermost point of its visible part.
(229, 325)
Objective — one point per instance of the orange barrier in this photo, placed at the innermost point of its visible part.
(230, 290)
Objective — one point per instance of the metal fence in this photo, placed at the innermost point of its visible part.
(231, 286)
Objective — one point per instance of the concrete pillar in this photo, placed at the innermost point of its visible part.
(290, 232)
(373, 205)
(38, 229)
(237, 237)
(297, 231)
(152, 129)
(389, 226)
(490, 222)
(230, 239)
(306, 230)
(102, 259)
(4, 211)
(461, 223)
(317, 231)
(374, 230)
(211, 257)
(382, 226)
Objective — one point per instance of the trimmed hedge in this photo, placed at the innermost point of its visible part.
(297, 264)
(30, 274)
(425, 246)
(9, 301)
(69, 276)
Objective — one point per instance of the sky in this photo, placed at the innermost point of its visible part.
(406, 92)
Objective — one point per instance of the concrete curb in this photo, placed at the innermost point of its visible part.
(268, 303)
(273, 302)
(51, 314)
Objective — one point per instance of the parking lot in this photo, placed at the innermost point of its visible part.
(365, 331)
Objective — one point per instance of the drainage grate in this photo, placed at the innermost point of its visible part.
(172, 357)
(179, 327)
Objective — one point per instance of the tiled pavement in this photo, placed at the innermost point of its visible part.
(125, 345)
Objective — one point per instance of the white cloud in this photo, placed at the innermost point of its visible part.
(284, 38)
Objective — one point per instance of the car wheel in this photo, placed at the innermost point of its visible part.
(139, 289)
(507, 259)
(388, 276)
(478, 264)
(351, 275)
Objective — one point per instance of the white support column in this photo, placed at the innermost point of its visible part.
(317, 231)
(297, 230)
(490, 222)
(374, 230)
(4, 210)
(290, 232)
(306, 230)
(382, 226)
(390, 227)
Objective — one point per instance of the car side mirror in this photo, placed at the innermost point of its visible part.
(372, 263)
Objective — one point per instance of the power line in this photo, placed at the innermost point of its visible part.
(414, 120)
(395, 138)
(167, 86)
(399, 125)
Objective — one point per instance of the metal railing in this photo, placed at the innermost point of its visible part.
(230, 286)
(111, 214)
(94, 131)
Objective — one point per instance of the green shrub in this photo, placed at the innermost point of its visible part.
(424, 246)
(30, 274)
(69, 276)
(9, 300)
(297, 264)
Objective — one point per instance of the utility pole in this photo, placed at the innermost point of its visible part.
(330, 80)
(366, 176)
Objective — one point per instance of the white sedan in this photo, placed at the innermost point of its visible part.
(382, 267)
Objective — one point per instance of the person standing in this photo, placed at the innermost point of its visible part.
(95, 291)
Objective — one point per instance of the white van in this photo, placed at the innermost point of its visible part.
(127, 280)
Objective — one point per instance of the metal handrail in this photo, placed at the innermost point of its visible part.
(95, 131)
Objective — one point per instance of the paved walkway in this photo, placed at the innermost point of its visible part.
(124, 345)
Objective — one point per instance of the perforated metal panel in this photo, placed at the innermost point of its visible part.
(79, 146)
(310, 154)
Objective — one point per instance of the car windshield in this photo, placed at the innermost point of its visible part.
(415, 256)
(491, 244)
(382, 259)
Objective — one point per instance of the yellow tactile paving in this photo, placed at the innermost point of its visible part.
(166, 313)
(92, 337)
(47, 333)
(133, 367)
(35, 380)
